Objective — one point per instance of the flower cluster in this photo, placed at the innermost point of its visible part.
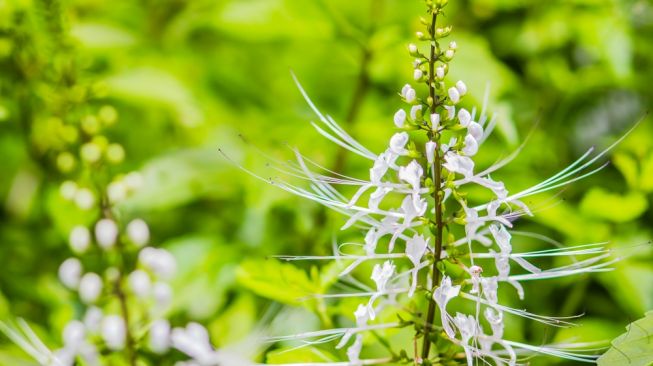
(416, 213)
(146, 284)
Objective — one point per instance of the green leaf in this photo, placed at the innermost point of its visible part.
(294, 355)
(282, 282)
(614, 207)
(633, 348)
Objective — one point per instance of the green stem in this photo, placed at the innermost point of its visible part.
(437, 196)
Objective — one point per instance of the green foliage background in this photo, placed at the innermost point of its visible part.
(188, 77)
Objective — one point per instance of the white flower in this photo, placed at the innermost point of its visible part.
(381, 274)
(159, 336)
(194, 342)
(79, 239)
(453, 45)
(415, 111)
(412, 48)
(471, 146)
(398, 143)
(70, 272)
(139, 282)
(400, 118)
(353, 352)
(454, 95)
(448, 54)
(90, 287)
(464, 117)
(412, 174)
(415, 249)
(430, 151)
(106, 233)
(138, 232)
(417, 74)
(114, 332)
(459, 164)
(462, 88)
(442, 295)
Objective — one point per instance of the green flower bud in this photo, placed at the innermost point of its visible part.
(66, 162)
(115, 153)
(90, 125)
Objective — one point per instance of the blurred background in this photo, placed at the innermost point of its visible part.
(172, 81)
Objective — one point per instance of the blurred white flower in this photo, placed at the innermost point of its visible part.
(106, 233)
(114, 332)
(79, 239)
(138, 232)
(70, 272)
(90, 287)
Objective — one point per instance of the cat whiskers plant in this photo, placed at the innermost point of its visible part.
(425, 232)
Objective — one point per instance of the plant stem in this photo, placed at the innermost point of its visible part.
(437, 197)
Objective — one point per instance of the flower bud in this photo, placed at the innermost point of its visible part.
(475, 130)
(420, 35)
(108, 115)
(134, 181)
(416, 112)
(91, 152)
(73, 334)
(90, 125)
(448, 54)
(160, 336)
(68, 189)
(430, 151)
(410, 95)
(462, 88)
(106, 232)
(464, 117)
(162, 294)
(400, 118)
(84, 198)
(116, 191)
(453, 45)
(417, 74)
(70, 272)
(471, 146)
(138, 232)
(454, 95)
(139, 282)
(93, 319)
(114, 332)
(160, 261)
(79, 239)
(90, 287)
(439, 72)
(451, 111)
(412, 49)
(115, 153)
(435, 121)
(66, 162)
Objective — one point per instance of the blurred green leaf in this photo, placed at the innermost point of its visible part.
(613, 207)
